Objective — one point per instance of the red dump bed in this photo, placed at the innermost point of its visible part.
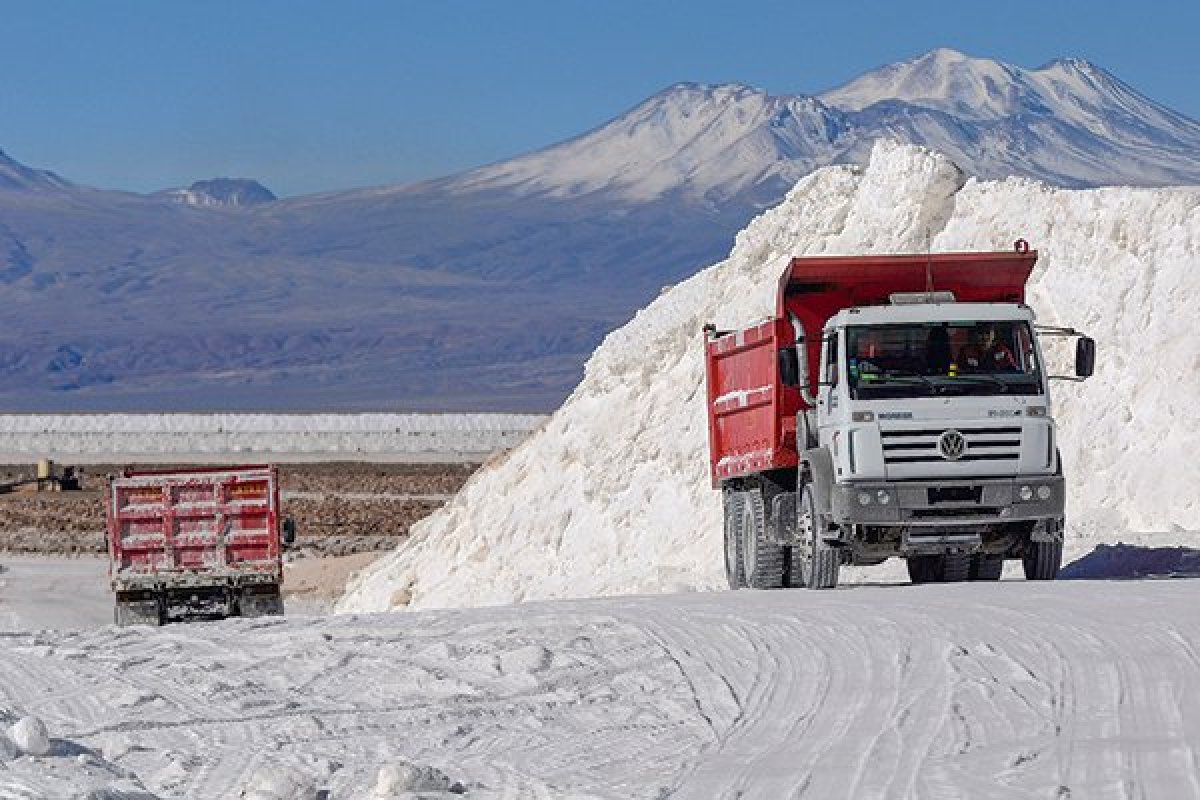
(194, 527)
(751, 414)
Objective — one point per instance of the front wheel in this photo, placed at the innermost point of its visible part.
(819, 563)
(1042, 560)
(923, 569)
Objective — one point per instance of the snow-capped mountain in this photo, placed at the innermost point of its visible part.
(698, 142)
(1064, 123)
(487, 290)
(222, 192)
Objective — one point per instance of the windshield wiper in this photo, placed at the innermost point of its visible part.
(894, 374)
(984, 376)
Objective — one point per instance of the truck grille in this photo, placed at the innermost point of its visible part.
(921, 446)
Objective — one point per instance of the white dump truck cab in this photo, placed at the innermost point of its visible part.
(937, 420)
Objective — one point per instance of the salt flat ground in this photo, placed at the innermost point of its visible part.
(39, 592)
(1083, 689)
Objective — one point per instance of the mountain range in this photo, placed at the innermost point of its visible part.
(488, 289)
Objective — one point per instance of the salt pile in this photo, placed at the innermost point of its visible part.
(612, 496)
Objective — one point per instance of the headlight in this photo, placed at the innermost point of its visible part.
(1025, 493)
(883, 497)
(864, 498)
(1035, 411)
(863, 416)
(1044, 492)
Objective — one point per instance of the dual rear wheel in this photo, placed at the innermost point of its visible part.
(753, 560)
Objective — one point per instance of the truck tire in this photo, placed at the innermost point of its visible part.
(762, 560)
(923, 569)
(1042, 560)
(954, 567)
(734, 573)
(986, 567)
(817, 562)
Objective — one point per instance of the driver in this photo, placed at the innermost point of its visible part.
(986, 353)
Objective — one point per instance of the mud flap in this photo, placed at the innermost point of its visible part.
(820, 467)
(138, 608)
(260, 601)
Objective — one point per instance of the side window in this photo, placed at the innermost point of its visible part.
(1026, 358)
(831, 360)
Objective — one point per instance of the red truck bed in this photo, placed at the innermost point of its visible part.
(194, 527)
(751, 414)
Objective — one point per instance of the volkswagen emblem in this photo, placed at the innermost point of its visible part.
(952, 445)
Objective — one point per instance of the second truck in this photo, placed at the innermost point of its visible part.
(894, 406)
(200, 541)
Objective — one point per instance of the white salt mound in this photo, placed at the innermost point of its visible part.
(30, 736)
(612, 496)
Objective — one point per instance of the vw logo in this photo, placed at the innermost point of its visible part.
(952, 445)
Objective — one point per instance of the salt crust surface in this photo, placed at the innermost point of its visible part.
(612, 496)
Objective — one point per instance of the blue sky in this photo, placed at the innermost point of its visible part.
(313, 96)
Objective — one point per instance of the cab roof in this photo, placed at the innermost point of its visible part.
(930, 312)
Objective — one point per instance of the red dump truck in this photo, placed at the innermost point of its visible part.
(894, 406)
(195, 542)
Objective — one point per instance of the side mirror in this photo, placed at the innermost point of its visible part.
(289, 531)
(1085, 357)
(789, 367)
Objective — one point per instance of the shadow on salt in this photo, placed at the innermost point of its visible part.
(1126, 561)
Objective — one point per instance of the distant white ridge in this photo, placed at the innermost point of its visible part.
(83, 438)
(612, 496)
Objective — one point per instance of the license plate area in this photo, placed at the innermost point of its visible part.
(955, 494)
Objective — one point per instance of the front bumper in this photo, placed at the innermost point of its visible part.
(986, 501)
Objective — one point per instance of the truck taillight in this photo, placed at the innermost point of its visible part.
(248, 491)
(140, 497)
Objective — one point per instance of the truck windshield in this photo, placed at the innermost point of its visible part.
(921, 359)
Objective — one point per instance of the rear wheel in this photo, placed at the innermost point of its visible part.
(817, 561)
(954, 567)
(1042, 560)
(923, 569)
(762, 560)
(986, 567)
(734, 573)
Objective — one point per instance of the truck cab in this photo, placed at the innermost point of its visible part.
(923, 425)
(938, 422)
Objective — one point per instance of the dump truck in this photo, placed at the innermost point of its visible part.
(893, 406)
(198, 542)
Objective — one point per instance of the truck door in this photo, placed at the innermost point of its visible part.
(831, 403)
